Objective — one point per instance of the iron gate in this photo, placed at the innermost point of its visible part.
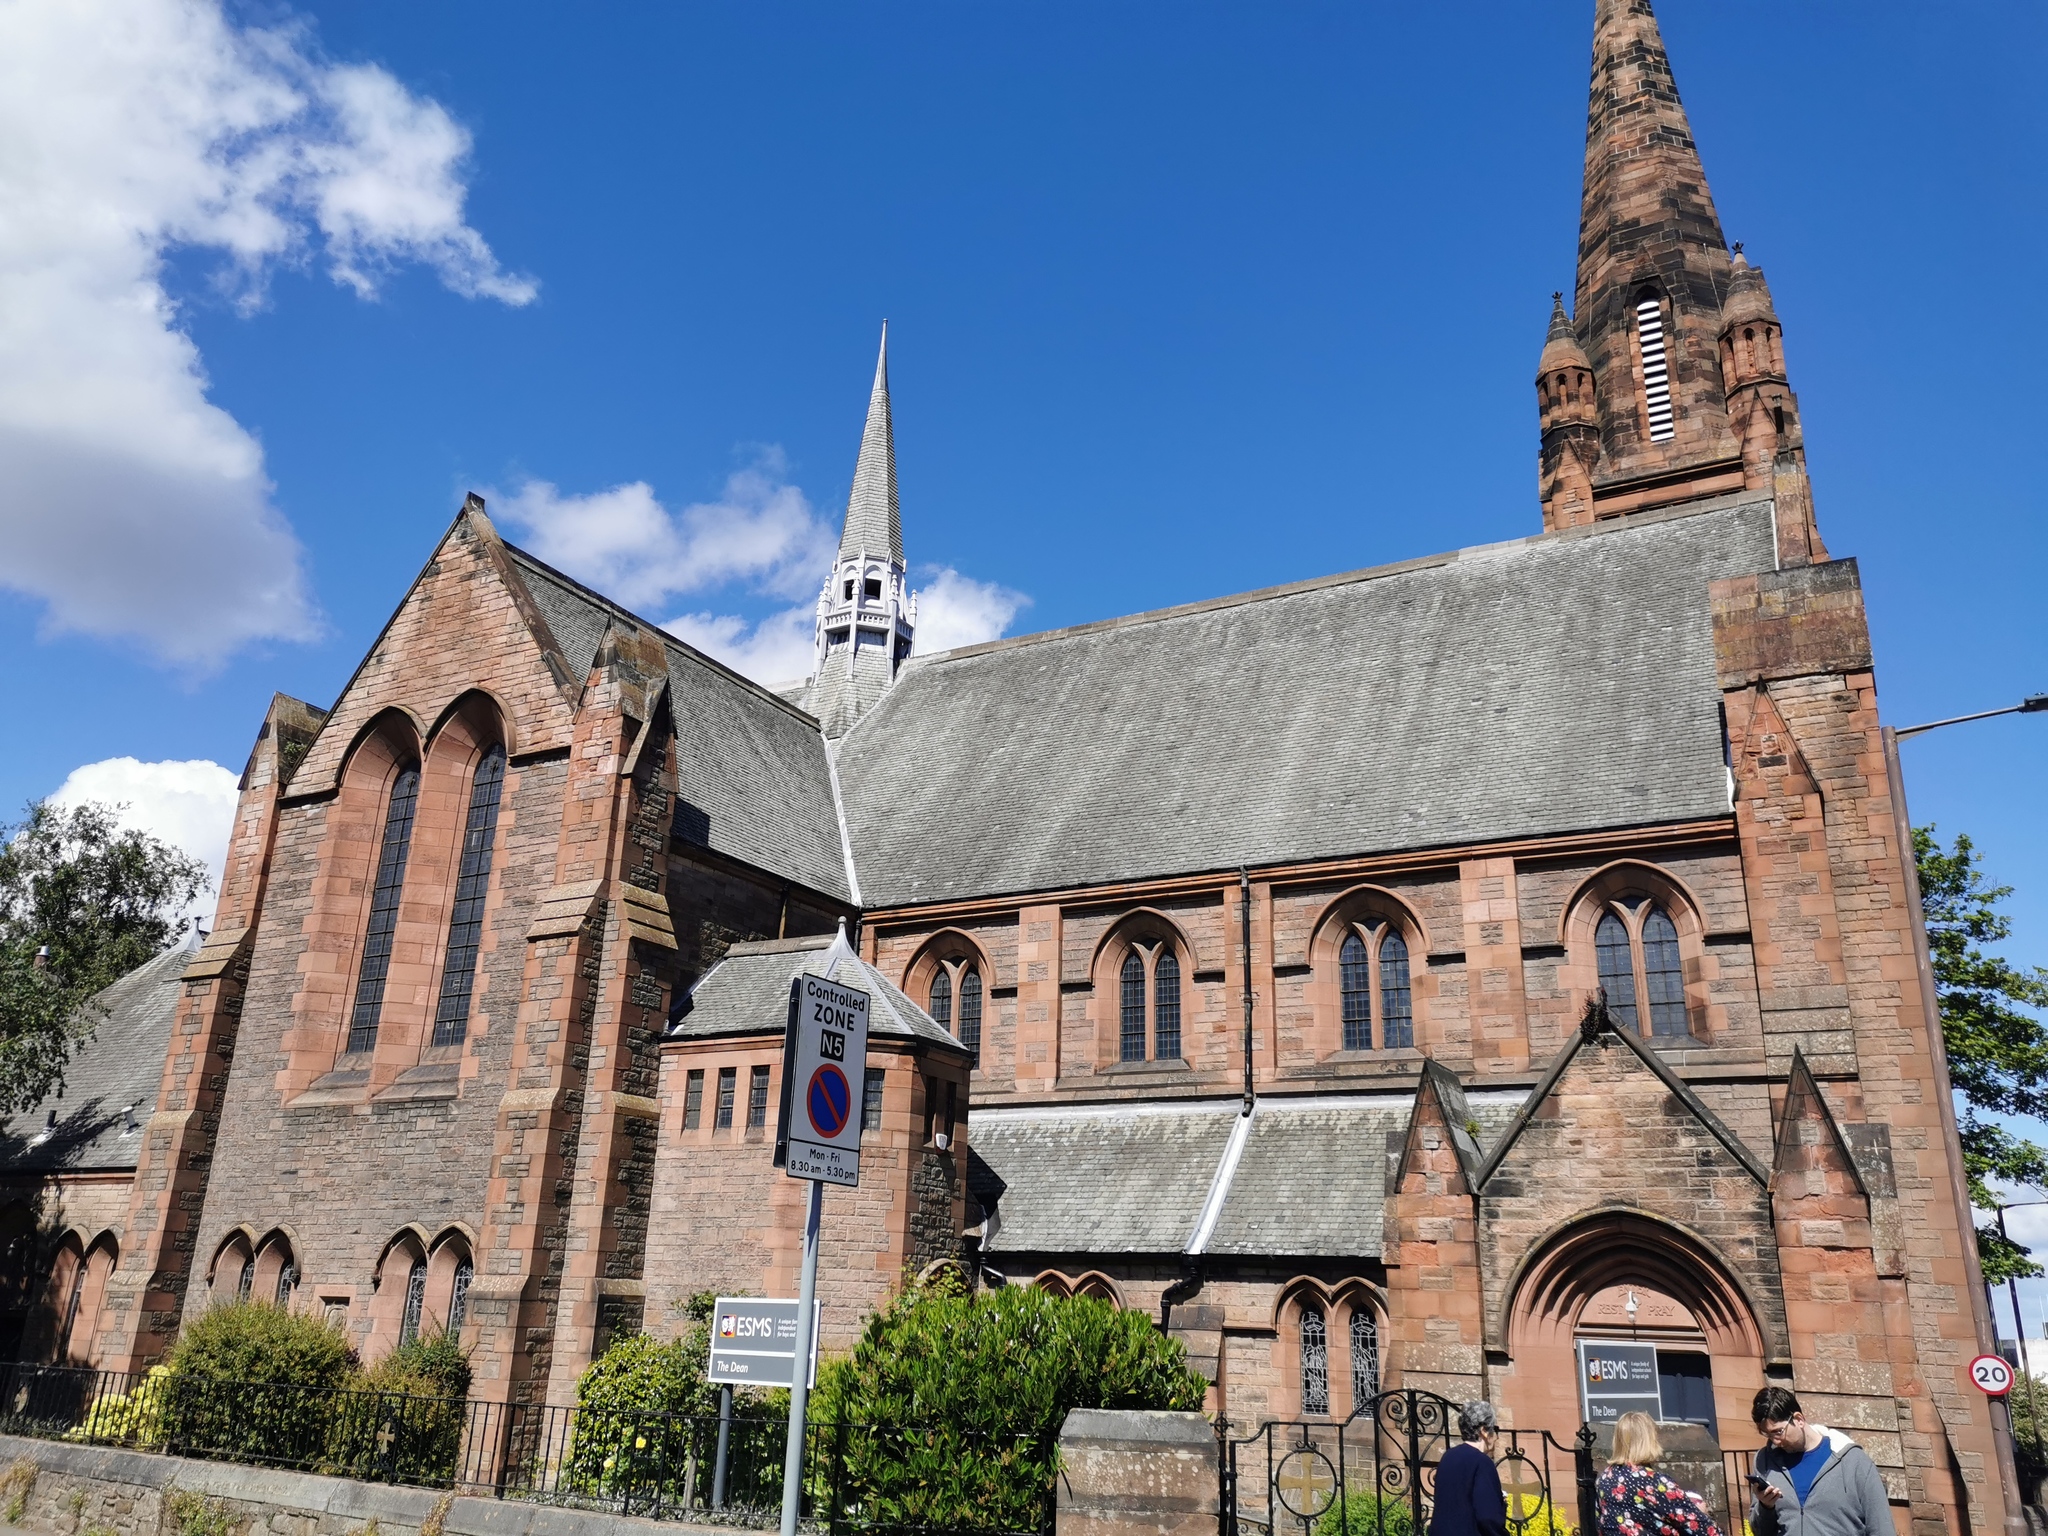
(1374, 1474)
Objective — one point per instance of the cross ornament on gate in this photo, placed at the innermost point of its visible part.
(1306, 1482)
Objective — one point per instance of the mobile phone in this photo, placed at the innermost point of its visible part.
(1758, 1482)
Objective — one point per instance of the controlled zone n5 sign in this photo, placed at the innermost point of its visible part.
(824, 1065)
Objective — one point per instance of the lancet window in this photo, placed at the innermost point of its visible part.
(1365, 1357)
(466, 921)
(955, 1001)
(391, 857)
(1315, 1360)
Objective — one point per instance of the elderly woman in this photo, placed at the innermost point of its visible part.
(1469, 1500)
(1638, 1500)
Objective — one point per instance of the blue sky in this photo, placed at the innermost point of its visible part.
(1182, 301)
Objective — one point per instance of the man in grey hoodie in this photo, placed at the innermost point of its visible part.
(1815, 1481)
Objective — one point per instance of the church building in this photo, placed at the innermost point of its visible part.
(1405, 977)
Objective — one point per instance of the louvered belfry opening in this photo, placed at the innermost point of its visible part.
(1656, 369)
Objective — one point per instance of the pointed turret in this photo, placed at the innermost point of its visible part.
(1569, 410)
(867, 616)
(1763, 413)
(1653, 268)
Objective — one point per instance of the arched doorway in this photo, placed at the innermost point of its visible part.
(1692, 1348)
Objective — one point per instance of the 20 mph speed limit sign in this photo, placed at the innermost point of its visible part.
(824, 1066)
(1992, 1375)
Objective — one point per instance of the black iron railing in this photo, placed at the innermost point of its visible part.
(884, 1479)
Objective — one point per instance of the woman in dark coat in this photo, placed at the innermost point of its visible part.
(1469, 1501)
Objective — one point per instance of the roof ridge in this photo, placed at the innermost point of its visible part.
(669, 638)
(1727, 502)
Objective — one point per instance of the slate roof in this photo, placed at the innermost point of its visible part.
(874, 526)
(1310, 1179)
(120, 1067)
(1554, 684)
(753, 780)
(747, 992)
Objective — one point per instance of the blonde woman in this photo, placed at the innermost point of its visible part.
(1638, 1500)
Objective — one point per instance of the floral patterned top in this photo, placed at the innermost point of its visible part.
(1641, 1501)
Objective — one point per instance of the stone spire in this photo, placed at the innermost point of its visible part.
(867, 615)
(1653, 269)
(873, 524)
(1569, 410)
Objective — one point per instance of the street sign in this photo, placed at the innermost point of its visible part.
(824, 1065)
(1618, 1378)
(1992, 1374)
(753, 1342)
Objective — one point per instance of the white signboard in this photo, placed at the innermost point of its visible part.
(824, 1065)
(1992, 1374)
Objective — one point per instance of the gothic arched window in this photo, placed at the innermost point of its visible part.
(1376, 999)
(473, 883)
(1636, 946)
(1355, 983)
(458, 1299)
(415, 1303)
(1397, 1005)
(1131, 1009)
(391, 857)
(1166, 1006)
(970, 1011)
(1315, 1360)
(942, 997)
(1365, 1357)
(1617, 968)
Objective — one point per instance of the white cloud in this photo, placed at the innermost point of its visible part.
(190, 805)
(955, 610)
(129, 129)
(626, 544)
(775, 651)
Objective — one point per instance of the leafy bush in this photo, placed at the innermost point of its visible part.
(644, 1410)
(1368, 1514)
(1533, 1515)
(948, 1412)
(135, 1417)
(251, 1381)
(401, 1420)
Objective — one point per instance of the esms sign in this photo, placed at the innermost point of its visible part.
(824, 1062)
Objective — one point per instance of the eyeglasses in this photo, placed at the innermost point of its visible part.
(1779, 1431)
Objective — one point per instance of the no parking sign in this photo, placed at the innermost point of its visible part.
(824, 1065)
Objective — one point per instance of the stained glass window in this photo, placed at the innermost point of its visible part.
(472, 884)
(1355, 980)
(458, 1299)
(1131, 1023)
(1617, 969)
(1397, 1003)
(1315, 1361)
(391, 856)
(415, 1303)
(1663, 975)
(1365, 1358)
(1166, 1007)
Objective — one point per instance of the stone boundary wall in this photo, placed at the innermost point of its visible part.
(1137, 1472)
(80, 1489)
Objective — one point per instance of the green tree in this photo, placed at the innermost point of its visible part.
(101, 901)
(1991, 1023)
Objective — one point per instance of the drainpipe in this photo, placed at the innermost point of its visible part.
(1244, 909)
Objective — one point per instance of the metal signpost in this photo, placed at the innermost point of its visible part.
(817, 1137)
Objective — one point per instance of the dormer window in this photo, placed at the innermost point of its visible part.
(1656, 369)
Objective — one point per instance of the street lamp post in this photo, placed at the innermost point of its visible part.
(1930, 1002)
